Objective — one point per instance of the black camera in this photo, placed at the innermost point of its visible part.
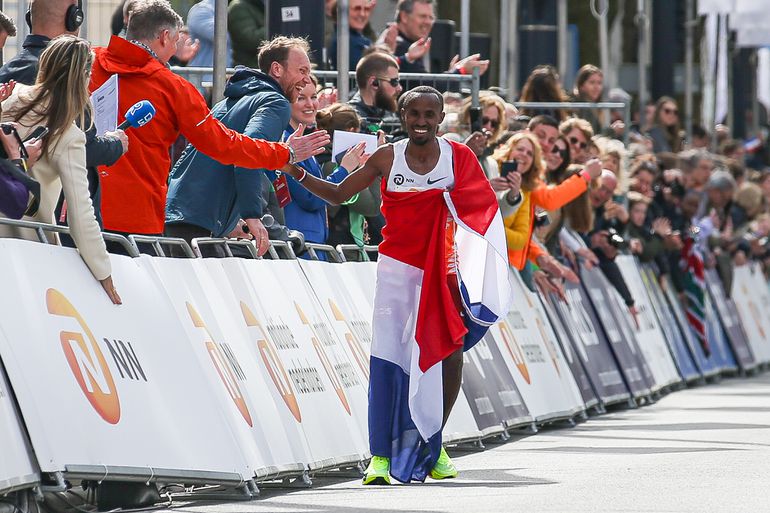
(9, 129)
(616, 240)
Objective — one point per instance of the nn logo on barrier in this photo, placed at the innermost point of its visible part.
(273, 363)
(225, 363)
(87, 362)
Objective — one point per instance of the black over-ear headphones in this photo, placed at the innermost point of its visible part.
(73, 18)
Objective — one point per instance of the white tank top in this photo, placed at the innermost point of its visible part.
(403, 179)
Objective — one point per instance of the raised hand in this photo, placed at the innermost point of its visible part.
(468, 63)
(355, 157)
(6, 89)
(305, 146)
(418, 49)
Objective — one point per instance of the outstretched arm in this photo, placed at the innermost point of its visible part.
(375, 166)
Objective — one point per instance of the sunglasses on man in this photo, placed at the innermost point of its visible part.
(392, 81)
(575, 142)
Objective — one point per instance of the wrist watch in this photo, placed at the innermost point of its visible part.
(292, 156)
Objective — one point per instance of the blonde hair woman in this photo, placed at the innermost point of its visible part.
(59, 98)
(524, 148)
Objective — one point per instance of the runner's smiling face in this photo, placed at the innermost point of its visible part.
(422, 116)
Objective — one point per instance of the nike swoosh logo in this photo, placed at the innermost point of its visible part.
(436, 180)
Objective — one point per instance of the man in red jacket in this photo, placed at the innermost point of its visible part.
(134, 188)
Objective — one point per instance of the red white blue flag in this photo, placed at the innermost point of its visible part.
(417, 322)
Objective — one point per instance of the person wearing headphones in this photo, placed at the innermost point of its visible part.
(376, 100)
(51, 18)
(48, 19)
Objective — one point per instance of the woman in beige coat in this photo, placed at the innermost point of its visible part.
(59, 98)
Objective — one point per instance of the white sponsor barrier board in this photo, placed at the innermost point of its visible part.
(649, 334)
(752, 300)
(16, 461)
(107, 391)
(534, 358)
(340, 294)
(327, 397)
(219, 339)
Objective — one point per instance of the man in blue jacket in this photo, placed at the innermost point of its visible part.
(206, 198)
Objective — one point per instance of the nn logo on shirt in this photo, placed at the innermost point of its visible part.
(86, 360)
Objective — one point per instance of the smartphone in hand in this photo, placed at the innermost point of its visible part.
(37, 133)
(475, 115)
(509, 166)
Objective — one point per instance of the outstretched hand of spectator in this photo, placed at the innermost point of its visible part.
(6, 89)
(111, 291)
(618, 127)
(355, 157)
(568, 274)
(305, 146)
(594, 168)
(662, 226)
(477, 142)
(389, 37)
(547, 285)
(467, 64)
(589, 257)
(418, 49)
(186, 49)
(634, 315)
(326, 97)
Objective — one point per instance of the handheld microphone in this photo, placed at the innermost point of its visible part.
(267, 220)
(138, 115)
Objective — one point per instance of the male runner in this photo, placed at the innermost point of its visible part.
(442, 241)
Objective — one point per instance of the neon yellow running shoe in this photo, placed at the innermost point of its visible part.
(444, 467)
(378, 471)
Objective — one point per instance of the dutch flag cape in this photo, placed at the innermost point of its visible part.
(416, 321)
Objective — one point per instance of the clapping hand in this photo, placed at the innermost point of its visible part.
(6, 89)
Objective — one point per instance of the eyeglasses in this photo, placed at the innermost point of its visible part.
(558, 151)
(487, 121)
(392, 81)
(575, 142)
(670, 111)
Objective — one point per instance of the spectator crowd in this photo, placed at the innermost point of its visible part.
(571, 192)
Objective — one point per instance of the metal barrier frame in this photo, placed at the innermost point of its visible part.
(158, 242)
(226, 244)
(41, 229)
(313, 249)
(194, 75)
(362, 250)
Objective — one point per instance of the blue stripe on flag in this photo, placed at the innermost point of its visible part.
(392, 433)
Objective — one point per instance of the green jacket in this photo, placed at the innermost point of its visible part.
(247, 26)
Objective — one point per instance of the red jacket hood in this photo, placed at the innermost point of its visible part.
(126, 58)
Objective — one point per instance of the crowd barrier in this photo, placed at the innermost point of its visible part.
(235, 371)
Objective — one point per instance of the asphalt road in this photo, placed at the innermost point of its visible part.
(698, 450)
